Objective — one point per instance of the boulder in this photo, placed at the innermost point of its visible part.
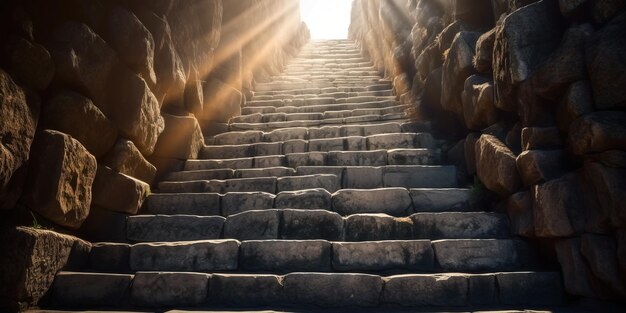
(85, 62)
(574, 9)
(483, 59)
(117, 192)
(537, 166)
(523, 41)
(520, 210)
(74, 114)
(61, 173)
(477, 14)
(181, 139)
(606, 63)
(30, 62)
(17, 128)
(495, 166)
(564, 66)
(598, 132)
(574, 268)
(30, 262)
(126, 159)
(534, 138)
(132, 41)
(608, 184)
(194, 92)
(600, 252)
(577, 101)
(456, 68)
(479, 108)
(558, 207)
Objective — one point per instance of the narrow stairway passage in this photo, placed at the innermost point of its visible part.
(323, 194)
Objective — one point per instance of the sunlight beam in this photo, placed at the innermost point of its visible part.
(327, 19)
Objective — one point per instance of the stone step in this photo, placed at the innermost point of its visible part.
(320, 108)
(386, 85)
(349, 223)
(336, 95)
(292, 88)
(308, 290)
(395, 173)
(311, 133)
(363, 177)
(287, 255)
(207, 204)
(315, 101)
(347, 115)
(361, 119)
(404, 141)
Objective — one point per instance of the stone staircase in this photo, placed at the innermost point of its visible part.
(322, 195)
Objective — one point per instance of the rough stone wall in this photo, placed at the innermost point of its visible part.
(99, 97)
(531, 96)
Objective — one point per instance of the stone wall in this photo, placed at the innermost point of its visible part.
(531, 96)
(98, 98)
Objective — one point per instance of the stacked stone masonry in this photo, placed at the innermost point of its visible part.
(530, 96)
(354, 210)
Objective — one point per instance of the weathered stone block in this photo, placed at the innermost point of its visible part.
(558, 208)
(383, 255)
(311, 224)
(237, 202)
(393, 201)
(609, 185)
(30, 62)
(309, 199)
(536, 166)
(173, 227)
(125, 158)
(253, 225)
(18, 125)
(181, 139)
(192, 256)
(61, 173)
(441, 199)
(426, 290)
(246, 290)
(333, 290)
(600, 252)
(91, 289)
(285, 255)
(221, 101)
(118, 192)
(575, 270)
(29, 265)
(598, 132)
(163, 289)
(110, 257)
(186, 203)
(520, 210)
(495, 165)
(474, 255)
(540, 138)
(372, 227)
(456, 68)
(459, 225)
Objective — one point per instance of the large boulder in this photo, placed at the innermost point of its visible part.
(17, 129)
(558, 207)
(126, 159)
(600, 252)
(73, 114)
(132, 41)
(577, 101)
(30, 62)
(117, 192)
(537, 166)
(608, 184)
(85, 62)
(495, 166)
(181, 139)
(61, 173)
(523, 41)
(598, 132)
(30, 261)
(564, 66)
(479, 110)
(606, 63)
(575, 270)
(456, 68)
(483, 59)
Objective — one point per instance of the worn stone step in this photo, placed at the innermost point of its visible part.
(313, 290)
(397, 173)
(304, 224)
(309, 101)
(323, 132)
(320, 84)
(383, 85)
(335, 94)
(205, 204)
